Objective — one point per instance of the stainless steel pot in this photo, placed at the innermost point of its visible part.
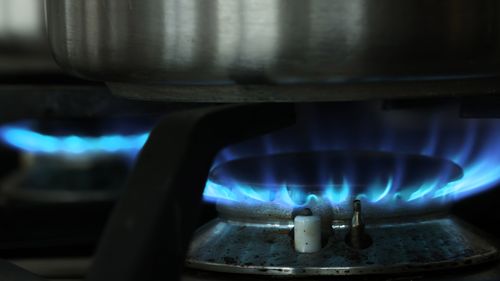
(24, 47)
(255, 50)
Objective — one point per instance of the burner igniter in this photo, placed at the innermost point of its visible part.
(307, 232)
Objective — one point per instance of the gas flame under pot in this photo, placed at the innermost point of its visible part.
(272, 186)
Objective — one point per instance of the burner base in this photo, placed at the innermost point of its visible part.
(267, 249)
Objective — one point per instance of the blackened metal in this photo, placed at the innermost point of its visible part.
(310, 171)
(10, 272)
(51, 230)
(410, 246)
(63, 179)
(151, 226)
(357, 237)
(56, 268)
(10, 160)
(484, 216)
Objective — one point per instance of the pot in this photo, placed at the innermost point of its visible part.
(277, 50)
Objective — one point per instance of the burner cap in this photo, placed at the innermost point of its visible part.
(311, 171)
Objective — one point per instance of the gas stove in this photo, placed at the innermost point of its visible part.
(250, 139)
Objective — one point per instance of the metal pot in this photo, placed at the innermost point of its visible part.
(276, 50)
(24, 47)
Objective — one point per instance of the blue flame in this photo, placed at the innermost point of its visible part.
(28, 140)
(385, 192)
(473, 144)
(334, 195)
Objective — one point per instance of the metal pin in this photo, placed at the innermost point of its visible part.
(357, 237)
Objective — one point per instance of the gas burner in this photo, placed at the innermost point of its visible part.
(68, 161)
(322, 235)
(395, 184)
